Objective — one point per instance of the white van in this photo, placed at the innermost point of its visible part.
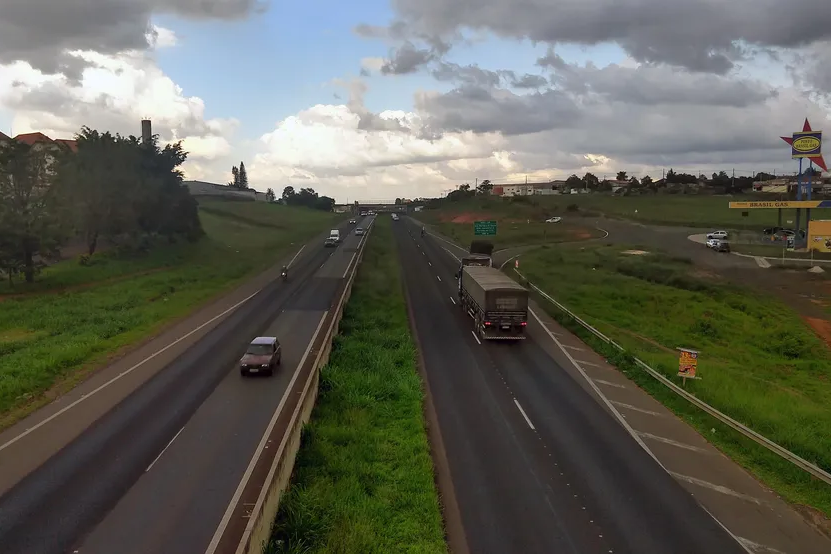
(334, 234)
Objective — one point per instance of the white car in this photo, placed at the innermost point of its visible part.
(712, 243)
(359, 232)
(717, 235)
(554, 220)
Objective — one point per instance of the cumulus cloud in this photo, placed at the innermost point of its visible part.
(39, 32)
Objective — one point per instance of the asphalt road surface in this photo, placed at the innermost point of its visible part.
(538, 466)
(157, 472)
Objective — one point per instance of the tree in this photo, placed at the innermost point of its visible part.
(621, 176)
(647, 182)
(591, 181)
(243, 177)
(574, 182)
(234, 182)
(288, 194)
(484, 187)
(32, 213)
(270, 196)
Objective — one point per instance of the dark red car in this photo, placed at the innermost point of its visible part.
(262, 356)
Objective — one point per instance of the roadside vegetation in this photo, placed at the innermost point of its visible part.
(759, 362)
(779, 251)
(137, 252)
(363, 480)
(658, 208)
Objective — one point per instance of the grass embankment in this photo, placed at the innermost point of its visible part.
(363, 480)
(659, 209)
(74, 317)
(759, 362)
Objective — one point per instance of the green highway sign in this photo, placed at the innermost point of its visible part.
(484, 228)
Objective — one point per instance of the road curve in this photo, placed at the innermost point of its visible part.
(157, 472)
(537, 464)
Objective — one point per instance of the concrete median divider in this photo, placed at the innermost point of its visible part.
(257, 531)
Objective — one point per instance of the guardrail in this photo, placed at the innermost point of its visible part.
(258, 530)
(795, 459)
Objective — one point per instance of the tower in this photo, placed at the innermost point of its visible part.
(146, 130)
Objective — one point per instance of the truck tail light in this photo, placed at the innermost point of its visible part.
(524, 323)
(487, 324)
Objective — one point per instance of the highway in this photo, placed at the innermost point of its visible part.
(537, 465)
(166, 467)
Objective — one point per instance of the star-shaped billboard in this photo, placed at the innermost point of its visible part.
(818, 160)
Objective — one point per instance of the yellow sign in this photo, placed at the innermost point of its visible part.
(819, 236)
(806, 144)
(782, 204)
(687, 363)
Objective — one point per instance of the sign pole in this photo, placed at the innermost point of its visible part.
(798, 196)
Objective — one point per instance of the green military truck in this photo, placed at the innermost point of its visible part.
(497, 303)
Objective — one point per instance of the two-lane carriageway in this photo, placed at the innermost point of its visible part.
(537, 465)
(168, 469)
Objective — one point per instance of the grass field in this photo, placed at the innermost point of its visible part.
(363, 480)
(74, 317)
(660, 209)
(759, 362)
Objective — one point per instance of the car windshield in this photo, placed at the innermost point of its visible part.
(259, 349)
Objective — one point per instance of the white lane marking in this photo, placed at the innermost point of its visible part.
(122, 374)
(226, 518)
(757, 548)
(527, 420)
(577, 348)
(475, 337)
(635, 408)
(609, 383)
(451, 299)
(674, 443)
(428, 263)
(717, 488)
(295, 256)
(458, 259)
(761, 262)
(584, 362)
(164, 450)
(437, 277)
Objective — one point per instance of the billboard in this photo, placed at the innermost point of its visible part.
(819, 236)
(806, 144)
(783, 204)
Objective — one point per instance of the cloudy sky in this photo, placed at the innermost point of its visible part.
(404, 98)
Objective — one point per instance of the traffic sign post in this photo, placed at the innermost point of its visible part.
(484, 228)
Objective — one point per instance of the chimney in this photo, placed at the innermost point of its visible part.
(146, 130)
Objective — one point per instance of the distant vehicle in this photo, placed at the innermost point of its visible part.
(359, 232)
(262, 355)
(330, 242)
(352, 222)
(497, 304)
(711, 243)
(722, 246)
(335, 234)
(554, 220)
(772, 230)
(717, 235)
(395, 217)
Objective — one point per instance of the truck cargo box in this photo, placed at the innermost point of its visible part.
(492, 290)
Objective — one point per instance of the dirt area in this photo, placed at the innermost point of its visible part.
(466, 217)
(822, 327)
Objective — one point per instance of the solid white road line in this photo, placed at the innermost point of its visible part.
(226, 518)
(164, 449)
(528, 421)
(475, 337)
(295, 256)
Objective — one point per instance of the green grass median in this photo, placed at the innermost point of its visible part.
(363, 480)
(56, 331)
(759, 362)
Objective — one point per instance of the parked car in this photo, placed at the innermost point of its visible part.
(712, 243)
(554, 219)
(262, 356)
(717, 235)
(722, 246)
(772, 230)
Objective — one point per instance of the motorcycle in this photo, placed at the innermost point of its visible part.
(284, 275)
(422, 232)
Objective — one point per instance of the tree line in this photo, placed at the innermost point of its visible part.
(306, 197)
(120, 188)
